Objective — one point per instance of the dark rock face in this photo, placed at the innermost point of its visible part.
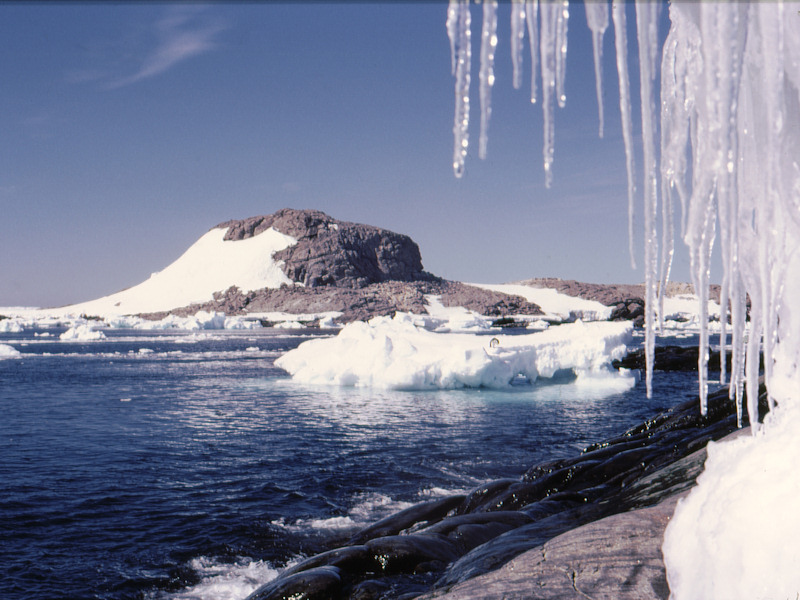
(586, 526)
(335, 253)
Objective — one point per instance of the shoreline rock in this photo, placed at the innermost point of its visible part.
(589, 525)
(361, 304)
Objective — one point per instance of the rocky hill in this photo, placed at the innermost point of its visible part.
(335, 253)
(363, 271)
(358, 270)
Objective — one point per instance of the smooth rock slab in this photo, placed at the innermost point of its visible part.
(616, 558)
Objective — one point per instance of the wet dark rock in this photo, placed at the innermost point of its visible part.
(349, 559)
(675, 358)
(371, 589)
(595, 513)
(412, 553)
(425, 513)
(470, 531)
(321, 583)
(484, 493)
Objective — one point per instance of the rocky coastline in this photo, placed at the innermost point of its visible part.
(586, 526)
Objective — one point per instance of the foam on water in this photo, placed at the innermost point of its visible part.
(221, 580)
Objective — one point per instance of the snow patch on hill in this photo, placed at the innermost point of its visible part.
(210, 265)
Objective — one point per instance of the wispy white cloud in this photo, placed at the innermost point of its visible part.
(183, 33)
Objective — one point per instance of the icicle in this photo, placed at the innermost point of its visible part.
(730, 89)
(621, 46)
(562, 19)
(486, 75)
(532, 18)
(597, 18)
(680, 72)
(458, 29)
(771, 19)
(721, 22)
(647, 35)
(517, 39)
(549, 51)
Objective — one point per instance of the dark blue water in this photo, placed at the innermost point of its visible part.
(156, 465)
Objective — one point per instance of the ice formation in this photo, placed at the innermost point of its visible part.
(84, 332)
(398, 353)
(729, 127)
(7, 351)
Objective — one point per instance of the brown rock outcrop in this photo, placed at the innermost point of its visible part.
(335, 253)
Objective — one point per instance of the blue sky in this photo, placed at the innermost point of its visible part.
(129, 130)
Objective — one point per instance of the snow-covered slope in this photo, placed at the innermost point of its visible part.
(554, 303)
(210, 265)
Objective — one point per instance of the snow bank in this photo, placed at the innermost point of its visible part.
(7, 351)
(735, 536)
(455, 318)
(554, 304)
(398, 354)
(210, 265)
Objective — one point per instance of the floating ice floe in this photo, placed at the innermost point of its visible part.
(289, 325)
(7, 351)
(83, 332)
(11, 326)
(397, 353)
(199, 321)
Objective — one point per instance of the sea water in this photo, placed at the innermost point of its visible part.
(167, 465)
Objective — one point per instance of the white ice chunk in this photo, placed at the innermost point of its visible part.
(83, 332)
(7, 351)
(396, 354)
(11, 326)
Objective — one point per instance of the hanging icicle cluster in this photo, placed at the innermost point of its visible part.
(729, 124)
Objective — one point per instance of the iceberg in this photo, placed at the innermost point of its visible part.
(7, 351)
(83, 332)
(397, 353)
(11, 326)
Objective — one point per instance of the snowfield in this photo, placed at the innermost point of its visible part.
(210, 265)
